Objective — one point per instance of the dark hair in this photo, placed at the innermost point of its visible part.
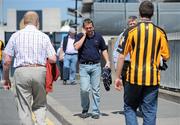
(146, 9)
(87, 20)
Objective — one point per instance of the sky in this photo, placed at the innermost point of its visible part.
(38, 5)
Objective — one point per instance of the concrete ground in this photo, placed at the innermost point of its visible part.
(64, 104)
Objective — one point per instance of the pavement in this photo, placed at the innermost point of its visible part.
(8, 109)
(8, 115)
(64, 104)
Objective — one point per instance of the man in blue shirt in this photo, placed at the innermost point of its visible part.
(89, 45)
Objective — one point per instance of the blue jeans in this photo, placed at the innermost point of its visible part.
(70, 62)
(144, 97)
(90, 80)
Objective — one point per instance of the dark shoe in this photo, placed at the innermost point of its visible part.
(64, 82)
(73, 83)
(84, 114)
(84, 111)
(95, 116)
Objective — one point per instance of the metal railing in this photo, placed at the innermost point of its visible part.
(171, 77)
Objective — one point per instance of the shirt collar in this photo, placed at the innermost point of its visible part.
(70, 37)
(29, 26)
(93, 34)
(144, 19)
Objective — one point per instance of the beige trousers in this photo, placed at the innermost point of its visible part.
(30, 94)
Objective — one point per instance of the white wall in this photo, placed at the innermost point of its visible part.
(1, 34)
(11, 20)
(51, 19)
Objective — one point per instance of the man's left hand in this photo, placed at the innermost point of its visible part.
(107, 64)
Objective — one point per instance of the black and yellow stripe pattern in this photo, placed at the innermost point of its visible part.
(1, 48)
(145, 43)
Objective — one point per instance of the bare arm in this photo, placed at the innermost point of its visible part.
(118, 81)
(79, 43)
(106, 57)
(120, 64)
(61, 55)
(6, 67)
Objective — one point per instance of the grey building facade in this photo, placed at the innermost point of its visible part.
(110, 16)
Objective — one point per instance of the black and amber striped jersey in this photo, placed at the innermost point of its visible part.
(1, 48)
(146, 43)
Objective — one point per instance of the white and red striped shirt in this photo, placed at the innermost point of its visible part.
(29, 46)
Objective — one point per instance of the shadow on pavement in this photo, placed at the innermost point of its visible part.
(139, 114)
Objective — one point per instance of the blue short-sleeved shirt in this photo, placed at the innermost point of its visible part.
(90, 50)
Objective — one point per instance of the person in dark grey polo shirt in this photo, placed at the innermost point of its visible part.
(90, 45)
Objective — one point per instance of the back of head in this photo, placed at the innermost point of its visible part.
(31, 17)
(146, 9)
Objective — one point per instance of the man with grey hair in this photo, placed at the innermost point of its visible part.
(70, 56)
(31, 48)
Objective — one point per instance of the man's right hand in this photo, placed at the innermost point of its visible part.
(61, 57)
(118, 84)
(83, 31)
(7, 84)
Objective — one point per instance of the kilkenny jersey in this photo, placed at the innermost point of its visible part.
(1, 48)
(146, 43)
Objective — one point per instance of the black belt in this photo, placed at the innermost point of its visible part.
(71, 53)
(126, 61)
(89, 62)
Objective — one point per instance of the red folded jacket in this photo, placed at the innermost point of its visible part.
(52, 74)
